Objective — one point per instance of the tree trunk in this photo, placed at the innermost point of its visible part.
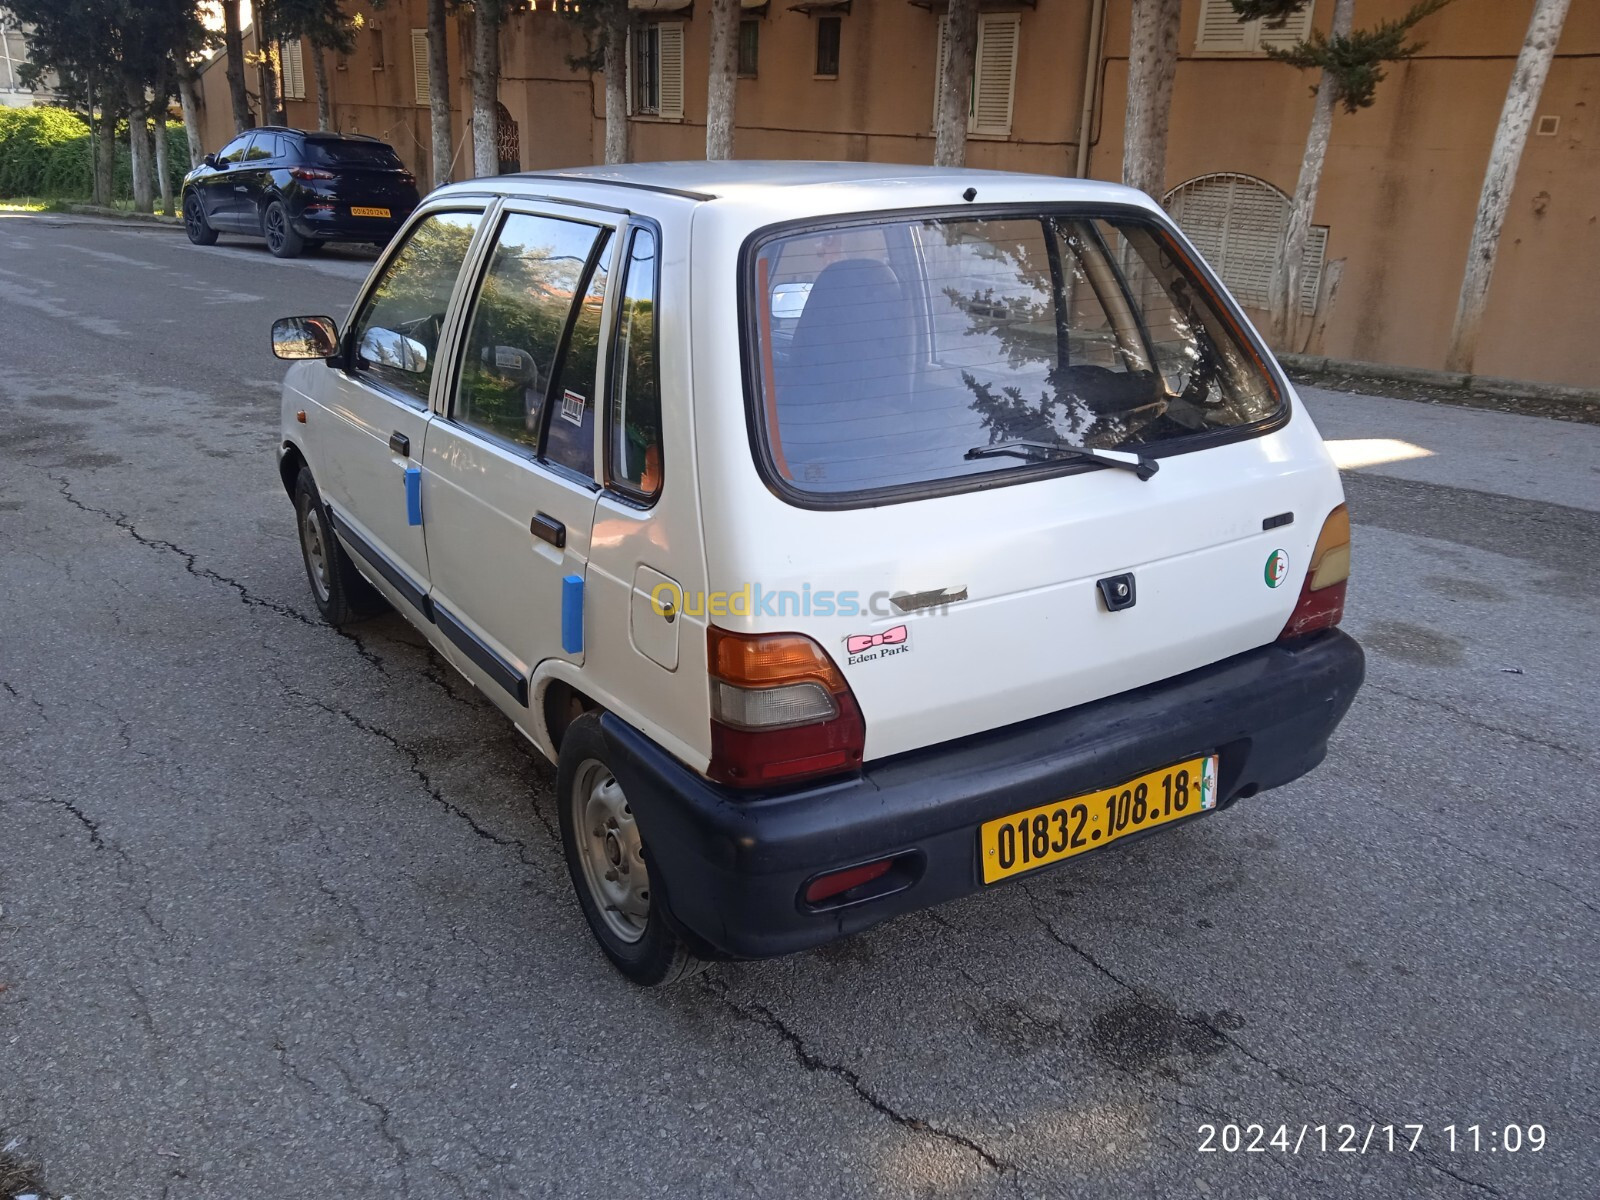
(722, 84)
(485, 88)
(1527, 83)
(1285, 299)
(1152, 67)
(189, 98)
(439, 92)
(139, 149)
(105, 155)
(243, 118)
(96, 122)
(319, 68)
(267, 79)
(955, 85)
(163, 173)
(616, 68)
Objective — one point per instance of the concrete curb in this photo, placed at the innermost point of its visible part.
(95, 210)
(1517, 388)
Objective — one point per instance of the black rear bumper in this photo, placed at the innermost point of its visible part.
(731, 866)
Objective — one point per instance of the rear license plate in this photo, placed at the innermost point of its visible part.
(1027, 840)
(368, 212)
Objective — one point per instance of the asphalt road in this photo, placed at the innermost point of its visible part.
(282, 913)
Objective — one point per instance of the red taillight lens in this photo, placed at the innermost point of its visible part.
(307, 174)
(826, 887)
(1321, 603)
(780, 710)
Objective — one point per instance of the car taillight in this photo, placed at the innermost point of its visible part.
(780, 710)
(1321, 603)
(307, 174)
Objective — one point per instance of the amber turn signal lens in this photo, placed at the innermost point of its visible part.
(1321, 603)
(763, 660)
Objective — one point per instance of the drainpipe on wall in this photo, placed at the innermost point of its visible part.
(1091, 84)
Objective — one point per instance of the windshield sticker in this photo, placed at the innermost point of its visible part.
(572, 407)
(1277, 568)
(868, 647)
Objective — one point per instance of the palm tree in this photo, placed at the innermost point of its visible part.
(722, 84)
(1522, 97)
(1152, 67)
(955, 84)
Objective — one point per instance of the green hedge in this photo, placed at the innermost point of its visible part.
(46, 152)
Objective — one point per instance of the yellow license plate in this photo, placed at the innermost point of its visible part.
(1040, 836)
(368, 212)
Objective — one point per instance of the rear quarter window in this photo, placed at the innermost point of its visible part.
(884, 354)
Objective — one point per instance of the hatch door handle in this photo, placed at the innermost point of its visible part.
(551, 530)
(400, 444)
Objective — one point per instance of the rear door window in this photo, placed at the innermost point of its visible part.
(888, 354)
(519, 358)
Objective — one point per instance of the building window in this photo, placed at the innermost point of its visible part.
(375, 33)
(656, 82)
(292, 66)
(1222, 32)
(419, 67)
(828, 29)
(994, 73)
(749, 48)
(1238, 223)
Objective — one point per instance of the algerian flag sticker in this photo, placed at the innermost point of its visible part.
(1277, 569)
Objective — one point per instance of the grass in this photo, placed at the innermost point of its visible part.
(18, 1177)
(26, 204)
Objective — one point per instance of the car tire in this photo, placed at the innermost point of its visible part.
(609, 865)
(340, 592)
(194, 221)
(282, 240)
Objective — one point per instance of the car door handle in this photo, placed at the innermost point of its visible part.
(239, 187)
(551, 530)
(400, 444)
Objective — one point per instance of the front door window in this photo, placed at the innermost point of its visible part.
(395, 338)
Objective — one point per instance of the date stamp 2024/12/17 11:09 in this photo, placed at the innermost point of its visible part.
(1369, 1138)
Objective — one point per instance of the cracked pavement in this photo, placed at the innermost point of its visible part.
(282, 910)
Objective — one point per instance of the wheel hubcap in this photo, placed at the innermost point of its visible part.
(610, 851)
(315, 545)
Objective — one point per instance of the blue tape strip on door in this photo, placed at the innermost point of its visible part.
(413, 495)
(572, 614)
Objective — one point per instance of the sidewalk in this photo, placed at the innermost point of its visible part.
(1506, 454)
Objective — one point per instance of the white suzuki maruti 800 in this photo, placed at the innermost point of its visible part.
(851, 537)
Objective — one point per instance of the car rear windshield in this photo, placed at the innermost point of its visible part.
(350, 154)
(888, 354)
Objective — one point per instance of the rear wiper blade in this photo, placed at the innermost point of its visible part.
(1139, 464)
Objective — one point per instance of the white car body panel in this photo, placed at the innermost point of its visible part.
(1030, 637)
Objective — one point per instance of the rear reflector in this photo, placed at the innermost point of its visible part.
(1321, 603)
(826, 887)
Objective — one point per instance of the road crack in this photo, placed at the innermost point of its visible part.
(759, 1014)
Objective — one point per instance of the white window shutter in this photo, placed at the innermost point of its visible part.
(671, 51)
(1221, 29)
(995, 73)
(293, 69)
(938, 68)
(1294, 30)
(419, 66)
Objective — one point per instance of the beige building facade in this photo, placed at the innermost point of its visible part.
(856, 79)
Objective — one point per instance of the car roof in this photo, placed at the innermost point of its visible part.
(873, 185)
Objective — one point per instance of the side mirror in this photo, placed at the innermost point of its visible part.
(789, 300)
(386, 348)
(305, 337)
(211, 161)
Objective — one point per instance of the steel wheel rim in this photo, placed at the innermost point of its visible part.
(314, 544)
(610, 851)
(275, 227)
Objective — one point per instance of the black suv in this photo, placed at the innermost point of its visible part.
(299, 189)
